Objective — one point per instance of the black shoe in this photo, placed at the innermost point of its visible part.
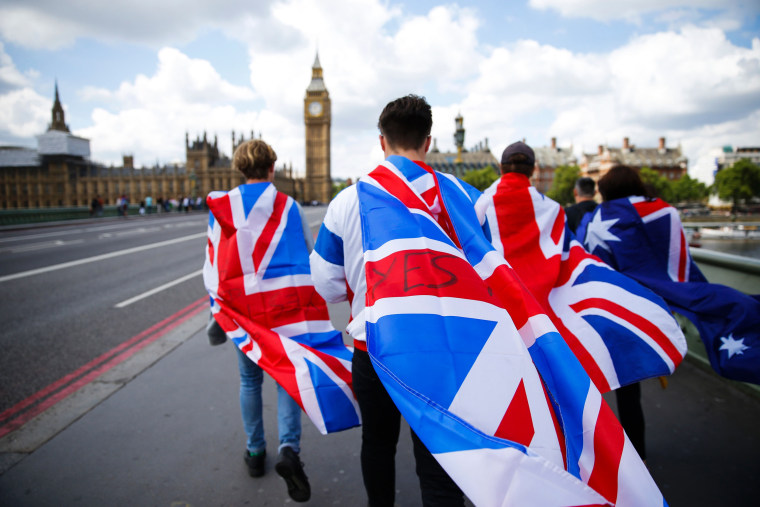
(290, 468)
(255, 463)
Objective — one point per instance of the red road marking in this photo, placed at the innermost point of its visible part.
(70, 383)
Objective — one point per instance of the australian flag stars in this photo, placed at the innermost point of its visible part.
(644, 239)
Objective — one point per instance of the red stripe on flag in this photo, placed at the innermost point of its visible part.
(584, 356)
(636, 320)
(274, 358)
(645, 208)
(398, 188)
(333, 365)
(559, 226)
(517, 423)
(424, 273)
(276, 308)
(265, 238)
(609, 440)
(520, 236)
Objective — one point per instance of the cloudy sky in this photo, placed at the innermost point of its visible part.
(135, 76)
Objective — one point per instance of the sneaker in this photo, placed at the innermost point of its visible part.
(290, 468)
(255, 463)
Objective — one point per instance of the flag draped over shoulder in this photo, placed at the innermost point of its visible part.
(257, 274)
(475, 367)
(644, 239)
(620, 331)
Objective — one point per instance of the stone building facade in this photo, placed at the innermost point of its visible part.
(670, 163)
(59, 173)
(548, 159)
(317, 116)
(462, 160)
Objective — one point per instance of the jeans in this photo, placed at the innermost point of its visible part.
(381, 425)
(251, 408)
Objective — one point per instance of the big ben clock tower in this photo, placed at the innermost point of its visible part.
(316, 113)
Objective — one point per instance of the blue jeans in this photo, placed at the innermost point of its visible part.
(251, 407)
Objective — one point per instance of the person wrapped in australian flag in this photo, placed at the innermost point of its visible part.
(643, 238)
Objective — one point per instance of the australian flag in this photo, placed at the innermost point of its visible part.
(644, 239)
(257, 274)
(620, 331)
(475, 367)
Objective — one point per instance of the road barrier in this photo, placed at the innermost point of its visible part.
(36, 215)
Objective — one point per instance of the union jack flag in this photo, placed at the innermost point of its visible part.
(257, 275)
(475, 367)
(644, 239)
(620, 331)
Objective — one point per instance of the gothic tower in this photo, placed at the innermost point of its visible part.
(316, 113)
(58, 119)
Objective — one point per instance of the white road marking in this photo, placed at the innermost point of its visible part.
(41, 246)
(165, 286)
(64, 265)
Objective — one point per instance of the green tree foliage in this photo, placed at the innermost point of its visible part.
(337, 187)
(661, 187)
(740, 182)
(688, 189)
(563, 184)
(481, 178)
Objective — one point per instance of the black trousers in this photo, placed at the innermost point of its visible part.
(632, 415)
(381, 424)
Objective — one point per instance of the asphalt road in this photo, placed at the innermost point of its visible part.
(74, 292)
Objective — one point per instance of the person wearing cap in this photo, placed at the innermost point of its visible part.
(583, 191)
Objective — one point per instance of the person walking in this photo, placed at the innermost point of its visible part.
(338, 272)
(255, 160)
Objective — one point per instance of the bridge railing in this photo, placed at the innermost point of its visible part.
(37, 215)
(741, 273)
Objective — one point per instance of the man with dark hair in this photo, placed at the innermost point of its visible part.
(584, 202)
(338, 271)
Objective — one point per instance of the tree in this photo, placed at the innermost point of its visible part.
(563, 184)
(481, 178)
(662, 187)
(688, 189)
(740, 182)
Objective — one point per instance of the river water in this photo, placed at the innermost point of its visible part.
(743, 247)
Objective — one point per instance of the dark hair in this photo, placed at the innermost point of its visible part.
(518, 163)
(254, 158)
(621, 181)
(405, 123)
(585, 187)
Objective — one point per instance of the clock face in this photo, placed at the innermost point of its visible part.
(315, 108)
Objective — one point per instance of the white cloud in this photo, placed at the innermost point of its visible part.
(672, 80)
(51, 24)
(23, 113)
(149, 116)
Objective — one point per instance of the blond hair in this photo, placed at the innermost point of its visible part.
(253, 159)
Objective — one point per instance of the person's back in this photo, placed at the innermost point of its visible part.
(584, 191)
(338, 271)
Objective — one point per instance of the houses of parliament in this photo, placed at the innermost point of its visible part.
(60, 173)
